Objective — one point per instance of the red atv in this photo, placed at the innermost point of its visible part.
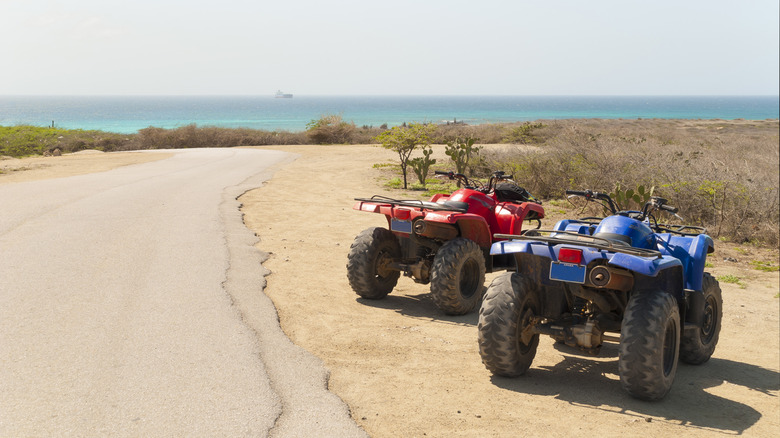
(445, 241)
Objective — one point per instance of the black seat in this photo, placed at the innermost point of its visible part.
(615, 238)
(456, 205)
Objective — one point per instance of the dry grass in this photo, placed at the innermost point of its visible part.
(192, 136)
(721, 174)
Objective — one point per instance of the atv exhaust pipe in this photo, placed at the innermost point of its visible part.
(606, 277)
(434, 230)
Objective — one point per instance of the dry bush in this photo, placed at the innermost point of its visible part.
(366, 134)
(722, 175)
(485, 134)
(191, 136)
(330, 129)
(493, 133)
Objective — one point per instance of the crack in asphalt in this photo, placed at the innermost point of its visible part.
(298, 378)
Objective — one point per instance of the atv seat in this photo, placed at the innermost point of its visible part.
(617, 239)
(458, 206)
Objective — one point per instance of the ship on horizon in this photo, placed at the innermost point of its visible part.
(280, 95)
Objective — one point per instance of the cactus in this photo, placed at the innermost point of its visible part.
(461, 151)
(421, 165)
(631, 199)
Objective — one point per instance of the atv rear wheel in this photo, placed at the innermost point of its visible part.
(458, 276)
(697, 346)
(649, 344)
(506, 343)
(369, 260)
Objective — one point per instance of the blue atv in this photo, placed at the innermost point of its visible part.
(625, 278)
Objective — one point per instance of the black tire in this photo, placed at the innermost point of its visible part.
(458, 276)
(368, 262)
(510, 303)
(697, 346)
(649, 344)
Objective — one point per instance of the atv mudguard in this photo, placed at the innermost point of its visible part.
(510, 217)
(648, 266)
(691, 251)
(575, 226)
(472, 226)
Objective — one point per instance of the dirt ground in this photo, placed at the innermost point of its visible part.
(405, 369)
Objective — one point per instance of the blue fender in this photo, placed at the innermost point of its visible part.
(574, 225)
(515, 246)
(643, 265)
(691, 251)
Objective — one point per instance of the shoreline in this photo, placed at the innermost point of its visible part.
(128, 114)
(444, 123)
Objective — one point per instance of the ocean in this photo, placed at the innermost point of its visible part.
(128, 114)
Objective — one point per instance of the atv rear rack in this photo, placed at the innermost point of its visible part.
(583, 240)
(427, 205)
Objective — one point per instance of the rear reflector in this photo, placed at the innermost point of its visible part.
(570, 255)
(401, 214)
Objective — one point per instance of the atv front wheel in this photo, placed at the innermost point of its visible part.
(506, 343)
(458, 276)
(369, 260)
(697, 346)
(649, 344)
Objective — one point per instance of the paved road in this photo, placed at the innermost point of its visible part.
(131, 304)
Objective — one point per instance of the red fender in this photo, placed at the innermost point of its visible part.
(510, 217)
(471, 226)
(475, 228)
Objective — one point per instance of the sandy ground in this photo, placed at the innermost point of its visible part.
(407, 370)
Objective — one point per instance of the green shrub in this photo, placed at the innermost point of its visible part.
(524, 134)
(25, 140)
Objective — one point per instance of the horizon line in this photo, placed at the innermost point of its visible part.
(388, 95)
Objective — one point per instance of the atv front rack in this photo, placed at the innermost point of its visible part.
(461, 207)
(583, 240)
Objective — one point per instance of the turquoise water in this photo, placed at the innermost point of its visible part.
(129, 114)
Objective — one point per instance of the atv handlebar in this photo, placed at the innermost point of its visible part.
(462, 179)
(655, 203)
(669, 208)
(497, 176)
(590, 194)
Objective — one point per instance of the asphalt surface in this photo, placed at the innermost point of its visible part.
(131, 304)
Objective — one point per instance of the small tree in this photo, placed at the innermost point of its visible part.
(421, 165)
(404, 140)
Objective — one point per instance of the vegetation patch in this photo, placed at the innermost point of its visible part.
(722, 175)
(731, 279)
(764, 266)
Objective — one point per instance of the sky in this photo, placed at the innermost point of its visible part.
(397, 47)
